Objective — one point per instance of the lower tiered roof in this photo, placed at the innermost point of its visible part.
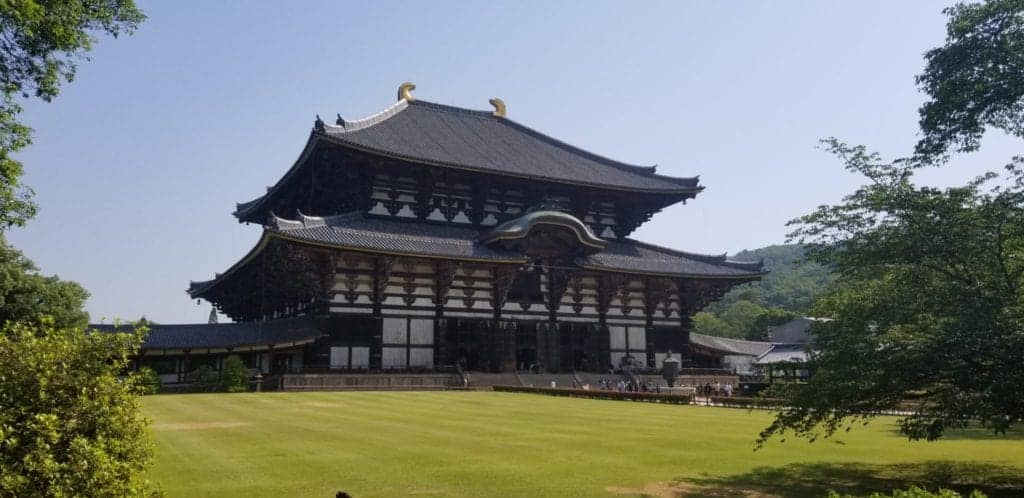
(395, 236)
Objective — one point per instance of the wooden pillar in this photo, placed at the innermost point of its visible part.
(508, 357)
(605, 293)
(442, 354)
(542, 344)
(554, 347)
(381, 273)
(183, 371)
(502, 277)
(444, 274)
(689, 302)
(592, 347)
(557, 282)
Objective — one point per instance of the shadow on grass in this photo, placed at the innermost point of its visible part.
(978, 434)
(816, 479)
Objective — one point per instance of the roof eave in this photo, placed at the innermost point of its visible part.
(682, 190)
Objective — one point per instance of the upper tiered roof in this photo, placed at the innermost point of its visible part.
(486, 142)
(443, 135)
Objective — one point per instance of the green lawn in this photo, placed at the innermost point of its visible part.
(502, 444)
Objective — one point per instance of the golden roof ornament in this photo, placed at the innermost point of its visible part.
(405, 91)
(499, 107)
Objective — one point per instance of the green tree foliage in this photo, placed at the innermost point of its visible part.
(40, 44)
(915, 492)
(69, 417)
(708, 323)
(791, 284)
(928, 304)
(27, 296)
(975, 80)
(149, 380)
(786, 292)
(203, 379)
(234, 376)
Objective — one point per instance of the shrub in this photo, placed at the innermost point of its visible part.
(69, 418)
(234, 376)
(915, 492)
(599, 394)
(203, 379)
(149, 380)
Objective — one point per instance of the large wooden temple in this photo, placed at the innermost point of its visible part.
(428, 236)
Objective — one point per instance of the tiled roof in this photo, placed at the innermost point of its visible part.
(784, 353)
(223, 335)
(422, 131)
(795, 331)
(392, 236)
(632, 255)
(731, 346)
(452, 137)
(355, 231)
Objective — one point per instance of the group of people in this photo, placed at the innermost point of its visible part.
(629, 386)
(716, 390)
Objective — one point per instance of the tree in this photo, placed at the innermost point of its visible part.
(791, 284)
(709, 324)
(741, 317)
(234, 376)
(40, 44)
(975, 80)
(69, 415)
(928, 304)
(28, 297)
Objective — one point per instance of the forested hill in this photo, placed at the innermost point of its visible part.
(787, 291)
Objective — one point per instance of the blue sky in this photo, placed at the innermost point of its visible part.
(137, 165)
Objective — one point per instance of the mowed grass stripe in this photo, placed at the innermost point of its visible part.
(484, 444)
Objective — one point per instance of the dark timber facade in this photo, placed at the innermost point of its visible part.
(428, 236)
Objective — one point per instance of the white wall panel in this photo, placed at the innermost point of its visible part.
(617, 337)
(421, 332)
(637, 338)
(393, 358)
(395, 330)
(339, 358)
(360, 357)
(421, 357)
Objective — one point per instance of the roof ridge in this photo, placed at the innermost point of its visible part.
(706, 258)
(453, 109)
(368, 121)
(630, 168)
(722, 259)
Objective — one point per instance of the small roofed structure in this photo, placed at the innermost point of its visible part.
(795, 331)
(785, 355)
(176, 349)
